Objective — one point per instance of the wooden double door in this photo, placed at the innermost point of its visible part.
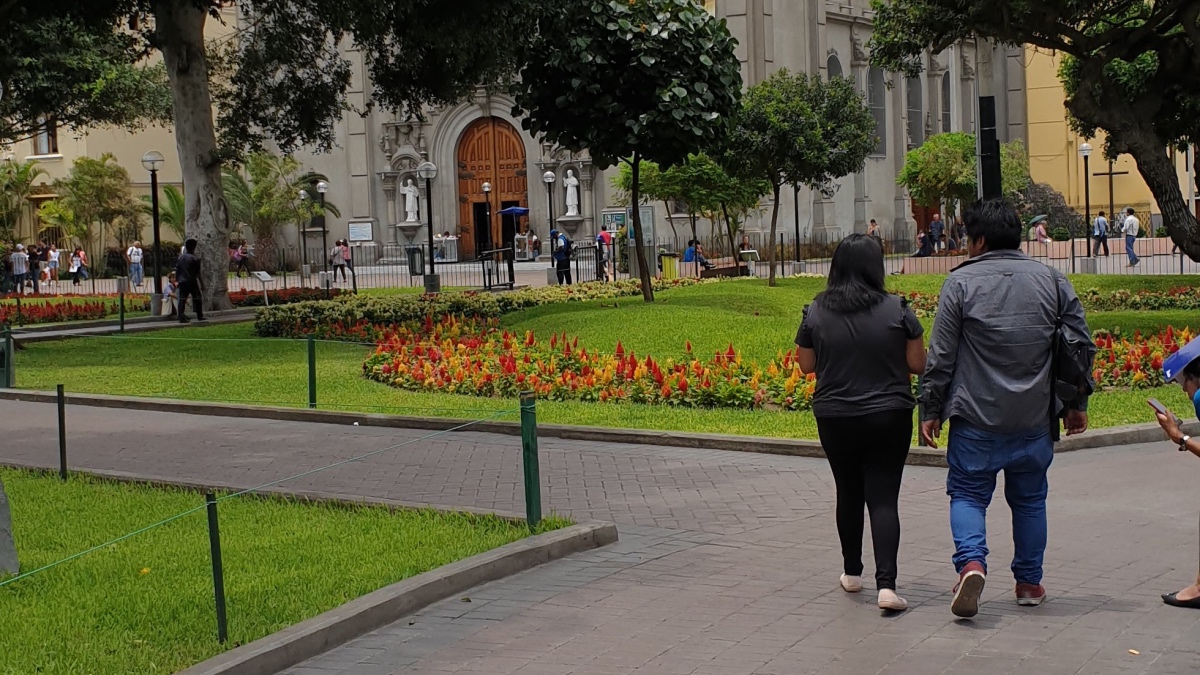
(490, 151)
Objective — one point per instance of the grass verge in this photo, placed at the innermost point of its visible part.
(146, 604)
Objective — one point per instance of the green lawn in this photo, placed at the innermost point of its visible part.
(757, 320)
(146, 605)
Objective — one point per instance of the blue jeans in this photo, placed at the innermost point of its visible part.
(1129, 239)
(135, 274)
(975, 457)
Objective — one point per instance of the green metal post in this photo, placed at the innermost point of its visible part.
(214, 543)
(9, 379)
(312, 372)
(529, 457)
(122, 301)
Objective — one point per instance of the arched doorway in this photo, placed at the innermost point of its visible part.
(489, 151)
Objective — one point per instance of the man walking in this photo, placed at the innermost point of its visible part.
(1100, 232)
(19, 262)
(936, 229)
(989, 375)
(134, 256)
(1130, 228)
(187, 274)
(560, 251)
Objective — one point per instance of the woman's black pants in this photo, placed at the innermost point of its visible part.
(867, 454)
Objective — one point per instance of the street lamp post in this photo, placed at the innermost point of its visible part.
(548, 179)
(427, 171)
(322, 188)
(152, 161)
(1086, 151)
(487, 197)
(304, 243)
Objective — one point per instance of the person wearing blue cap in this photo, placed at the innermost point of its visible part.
(1183, 367)
(560, 250)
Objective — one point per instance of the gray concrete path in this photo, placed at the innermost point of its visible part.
(727, 564)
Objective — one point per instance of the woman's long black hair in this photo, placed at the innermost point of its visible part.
(856, 276)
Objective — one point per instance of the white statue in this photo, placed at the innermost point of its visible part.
(572, 184)
(411, 202)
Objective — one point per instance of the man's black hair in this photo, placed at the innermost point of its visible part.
(190, 245)
(995, 223)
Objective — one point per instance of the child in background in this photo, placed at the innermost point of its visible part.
(170, 295)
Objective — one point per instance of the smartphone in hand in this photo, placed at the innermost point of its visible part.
(1159, 407)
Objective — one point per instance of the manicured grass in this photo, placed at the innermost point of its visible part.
(757, 320)
(146, 604)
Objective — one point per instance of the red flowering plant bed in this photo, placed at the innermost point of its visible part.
(282, 296)
(43, 309)
(477, 358)
(1135, 363)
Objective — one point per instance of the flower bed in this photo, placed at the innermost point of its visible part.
(474, 357)
(283, 296)
(1136, 362)
(1120, 300)
(59, 309)
(304, 318)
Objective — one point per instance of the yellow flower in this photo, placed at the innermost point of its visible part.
(145, 571)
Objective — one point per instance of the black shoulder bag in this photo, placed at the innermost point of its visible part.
(1069, 377)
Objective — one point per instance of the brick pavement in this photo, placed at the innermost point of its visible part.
(727, 562)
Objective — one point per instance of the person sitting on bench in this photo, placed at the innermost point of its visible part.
(694, 253)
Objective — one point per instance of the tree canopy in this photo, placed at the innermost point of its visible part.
(1132, 69)
(630, 80)
(799, 129)
(943, 169)
(95, 193)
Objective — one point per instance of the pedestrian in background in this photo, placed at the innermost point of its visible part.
(989, 373)
(19, 262)
(1100, 232)
(187, 273)
(560, 251)
(1130, 228)
(134, 256)
(937, 229)
(337, 257)
(863, 344)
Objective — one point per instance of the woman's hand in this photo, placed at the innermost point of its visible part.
(1170, 427)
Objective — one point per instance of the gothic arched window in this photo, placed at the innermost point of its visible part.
(877, 102)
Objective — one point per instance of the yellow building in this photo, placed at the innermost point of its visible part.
(1054, 150)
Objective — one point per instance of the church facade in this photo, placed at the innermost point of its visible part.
(479, 143)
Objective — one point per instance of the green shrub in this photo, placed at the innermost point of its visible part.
(303, 318)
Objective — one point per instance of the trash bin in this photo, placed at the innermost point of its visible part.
(670, 265)
(416, 260)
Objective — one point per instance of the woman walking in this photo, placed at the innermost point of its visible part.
(863, 344)
(337, 257)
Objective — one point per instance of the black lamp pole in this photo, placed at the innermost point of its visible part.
(796, 203)
(429, 219)
(158, 287)
(1087, 204)
(324, 232)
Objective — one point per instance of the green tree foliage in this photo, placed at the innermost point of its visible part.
(801, 130)
(285, 78)
(172, 210)
(943, 170)
(16, 186)
(630, 80)
(1131, 69)
(96, 198)
(266, 197)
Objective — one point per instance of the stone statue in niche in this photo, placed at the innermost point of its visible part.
(572, 184)
(857, 52)
(412, 202)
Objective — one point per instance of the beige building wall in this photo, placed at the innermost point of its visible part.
(1054, 156)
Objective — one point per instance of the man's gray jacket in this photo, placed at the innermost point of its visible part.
(989, 354)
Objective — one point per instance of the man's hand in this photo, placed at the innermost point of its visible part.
(1170, 427)
(1076, 422)
(930, 431)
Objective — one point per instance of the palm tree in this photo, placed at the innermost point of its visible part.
(267, 197)
(16, 185)
(171, 211)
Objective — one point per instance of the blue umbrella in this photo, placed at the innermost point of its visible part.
(514, 211)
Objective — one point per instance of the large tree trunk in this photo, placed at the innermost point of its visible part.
(643, 267)
(179, 32)
(266, 252)
(771, 243)
(1161, 177)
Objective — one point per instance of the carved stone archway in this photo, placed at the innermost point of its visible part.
(490, 150)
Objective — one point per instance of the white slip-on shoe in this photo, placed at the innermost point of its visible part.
(890, 601)
(851, 584)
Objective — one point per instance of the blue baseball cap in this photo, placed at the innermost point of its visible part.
(1175, 363)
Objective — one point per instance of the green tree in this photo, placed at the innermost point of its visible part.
(630, 81)
(285, 78)
(798, 129)
(172, 210)
(943, 170)
(97, 196)
(1129, 69)
(267, 197)
(16, 186)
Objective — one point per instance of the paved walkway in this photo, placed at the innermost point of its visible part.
(727, 562)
